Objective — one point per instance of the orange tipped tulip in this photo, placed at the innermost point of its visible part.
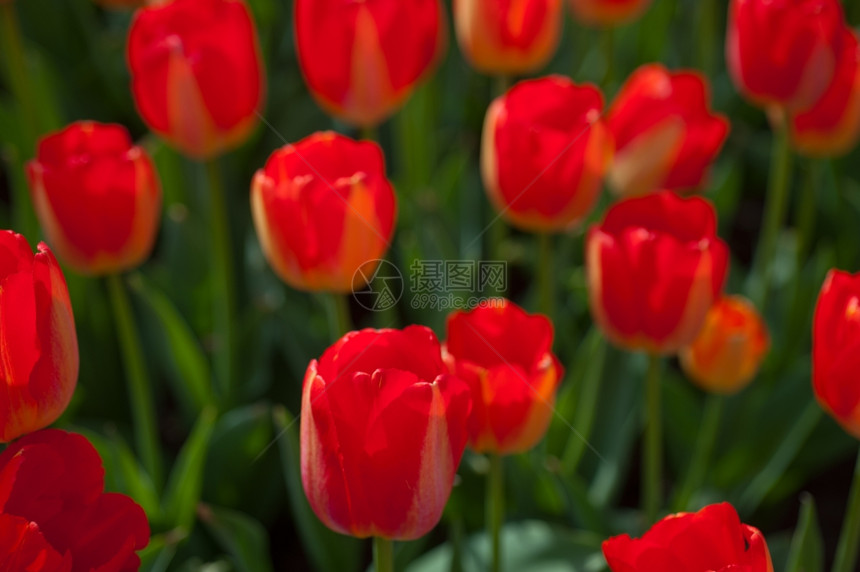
(726, 354)
(97, 196)
(508, 37)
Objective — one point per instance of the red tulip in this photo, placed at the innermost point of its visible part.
(544, 152)
(712, 539)
(38, 343)
(832, 126)
(836, 349)
(383, 429)
(322, 208)
(726, 354)
(55, 481)
(511, 37)
(23, 547)
(655, 267)
(666, 135)
(196, 73)
(361, 60)
(97, 196)
(783, 52)
(607, 13)
(505, 355)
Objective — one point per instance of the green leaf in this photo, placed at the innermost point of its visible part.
(159, 553)
(241, 536)
(186, 479)
(329, 551)
(807, 545)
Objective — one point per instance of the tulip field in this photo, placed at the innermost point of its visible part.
(429, 285)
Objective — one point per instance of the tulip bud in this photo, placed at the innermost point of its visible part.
(54, 481)
(836, 349)
(97, 196)
(38, 343)
(322, 208)
(655, 267)
(712, 539)
(726, 354)
(196, 74)
(505, 355)
(544, 152)
(666, 135)
(607, 13)
(783, 53)
(832, 126)
(508, 37)
(361, 60)
(383, 429)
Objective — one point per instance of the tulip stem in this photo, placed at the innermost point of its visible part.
(222, 281)
(495, 509)
(338, 312)
(775, 209)
(653, 447)
(383, 554)
(608, 37)
(545, 273)
(137, 377)
(849, 539)
(702, 453)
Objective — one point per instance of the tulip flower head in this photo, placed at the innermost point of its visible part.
(361, 60)
(726, 354)
(607, 13)
(54, 481)
(505, 355)
(323, 208)
(666, 135)
(836, 349)
(97, 196)
(655, 267)
(831, 127)
(783, 53)
(712, 539)
(38, 343)
(544, 152)
(196, 73)
(383, 429)
(509, 37)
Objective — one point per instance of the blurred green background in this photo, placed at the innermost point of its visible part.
(233, 500)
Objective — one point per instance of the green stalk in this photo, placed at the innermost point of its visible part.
(608, 45)
(338, 314)
(707, 35)
(776, 206)
(698, 468)
(849, 539)
(223, 282)
(369, 133)
(142, 408)
(495, 509)
(383, 554)
(545, 273)
(653, 446)
(806, 214)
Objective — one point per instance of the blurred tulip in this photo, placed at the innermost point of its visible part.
(666, 136)
(783, 52)
(607, 13)
(505, 355)
(55, 481)
(361, 60)
(712, 539)
(655, 267)
(832, 126)
(38, 343)
(196, 73)
(509, 37)
(836, 349)
(544, 152)
(383, 428)
(97, 196)
(322, 208)
(726, 354)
